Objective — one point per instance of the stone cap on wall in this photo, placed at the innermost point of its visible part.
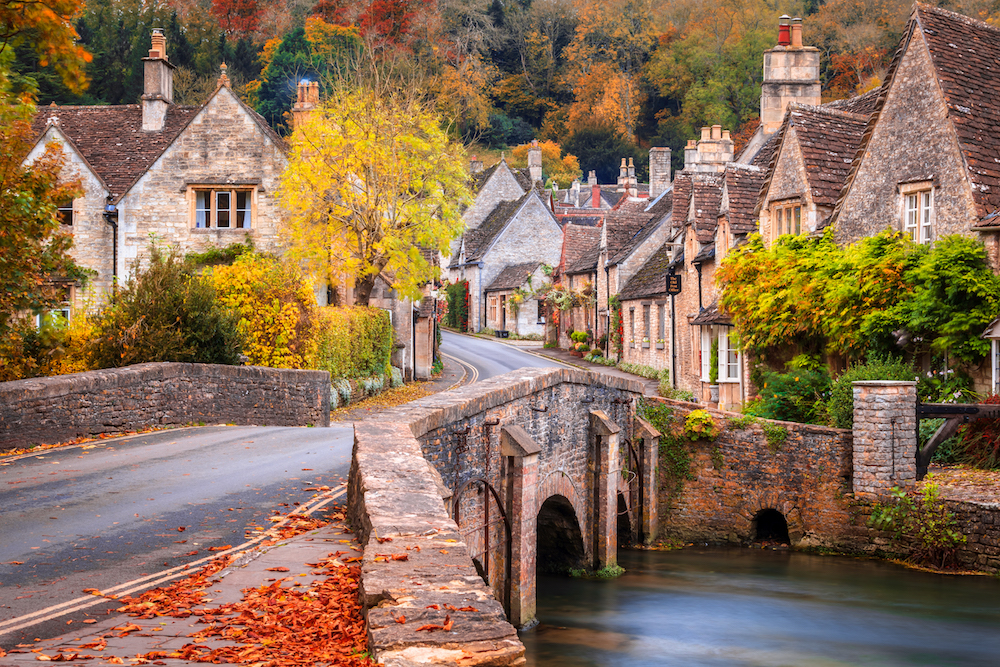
(884, 383)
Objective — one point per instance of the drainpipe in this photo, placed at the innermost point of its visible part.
(111, 217)
(481, 297)
(413, 342)
(697, 267)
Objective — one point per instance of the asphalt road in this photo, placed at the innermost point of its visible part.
(118, 512)
(485, 358)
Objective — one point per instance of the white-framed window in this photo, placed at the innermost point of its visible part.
(223, 208)
(705, 352)
(729, 356)
(493, 315)
(918, 211)
(62, 313)
(647, 331)
(65, 212)
(786, 217)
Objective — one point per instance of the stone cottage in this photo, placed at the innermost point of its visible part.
(511, 306)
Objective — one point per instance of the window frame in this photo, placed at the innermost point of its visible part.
(61, 208)
(729, 357)
(921, 194)
(211, 210)
(786, 209)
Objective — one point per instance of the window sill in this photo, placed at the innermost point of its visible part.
(206, 230)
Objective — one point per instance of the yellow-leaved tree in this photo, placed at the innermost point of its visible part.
(372, 179)
(561, 169)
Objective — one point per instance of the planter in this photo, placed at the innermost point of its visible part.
(576, 354)
(713, 393)
(659, 346)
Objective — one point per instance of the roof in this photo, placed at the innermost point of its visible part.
(478, 240)
(520, 175)
(513, 276)
(707, 194)
(651, 279)
(581, 248)
(829, 139)
(681, 199)
(742, 187)
(581, 220)
(710, 315)
(763, 156)
(705, 254)
(111, 139)
(861, 104)
(625, 227)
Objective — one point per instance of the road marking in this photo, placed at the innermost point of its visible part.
(470, 372)
(153, 580)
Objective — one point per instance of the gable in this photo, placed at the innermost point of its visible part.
(909, 139)
(498, 184)
(77, 161)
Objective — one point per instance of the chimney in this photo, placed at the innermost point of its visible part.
(659, 171)
(791, 75)
(535, 161)
(796, 33)
(622, 177)
(633, 185)
(158, 84)
(595, 194)
(306, 101)
(710, 154)
(223, 77)
(784, 38)
(574, 193)
(475, 165)
(592, 177)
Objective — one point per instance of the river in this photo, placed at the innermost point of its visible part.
(734, 607)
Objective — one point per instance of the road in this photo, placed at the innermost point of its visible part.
(485, 358)
(111, 515)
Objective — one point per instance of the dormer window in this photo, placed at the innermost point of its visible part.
(918, 211)
(786, 217)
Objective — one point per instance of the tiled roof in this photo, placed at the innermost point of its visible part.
(625, 228)
(705, 254)
(513, 276)
(520, 175)
(581, 248)
(743, 186)
(582, 220)
(707, 194)
(860, 104)
(829, 139)
(111, 139)
(711, 315)
(681, 200)
(478, 240)
(966, 54)
(651, 279)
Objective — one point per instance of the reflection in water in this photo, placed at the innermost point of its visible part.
(765, 608)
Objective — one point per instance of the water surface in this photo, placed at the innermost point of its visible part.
(765, 608)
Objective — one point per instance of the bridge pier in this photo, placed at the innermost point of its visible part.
(604, 443)
(522, 509)
(647, 515)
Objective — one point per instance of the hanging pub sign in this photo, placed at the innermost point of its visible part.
(673, 284)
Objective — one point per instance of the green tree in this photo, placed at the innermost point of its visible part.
(373, 178)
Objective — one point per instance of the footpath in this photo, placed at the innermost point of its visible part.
(292, 602)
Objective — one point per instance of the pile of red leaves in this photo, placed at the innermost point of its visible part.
(178, 598)
(284, 627)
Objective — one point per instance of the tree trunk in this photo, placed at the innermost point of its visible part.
(363, 290)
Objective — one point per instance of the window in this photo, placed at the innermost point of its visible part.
(65, 213)
(223, 208)
(787, 218)
(918, 211)
(661, 324)
(540, 319)
(707, 335)
(61, 314)
(631, 324)
(492, 317)
(646, 330)
(729, 357)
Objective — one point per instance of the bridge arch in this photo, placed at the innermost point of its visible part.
(558, 483)
(559, 546)
(769, 501)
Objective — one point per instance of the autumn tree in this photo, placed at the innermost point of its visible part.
(559, 168)
(240, 17)
(372, 178)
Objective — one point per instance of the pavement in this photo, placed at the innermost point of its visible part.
(119, 638)
(651, 387)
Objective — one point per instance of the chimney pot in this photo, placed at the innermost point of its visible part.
(716, 131)
(725, 135)
(706, 133)
(784, 38)
(158, 44)
(796, 33)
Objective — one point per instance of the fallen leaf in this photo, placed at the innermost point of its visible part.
(90, 620)
(181, 529)
(222, 548)
(277, 569)
(400, 619)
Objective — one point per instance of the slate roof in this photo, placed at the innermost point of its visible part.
(711, 315)
(705, 254)
(707, 194)
(625, 227)
(111, 140)
(860, 104)
(581, 248)
(582, 220)
(651, 279)
(110, 137)
(829, 139)
(478, 240)
(520, 175)
(763, 156)
(681, 199)
(513, 276)
(743, 187)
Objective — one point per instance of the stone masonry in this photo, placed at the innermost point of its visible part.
(56, 409)
(885, 437)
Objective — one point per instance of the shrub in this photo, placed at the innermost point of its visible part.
(700, 425)
(798, 395)
(977, 443)
(840, 407)
(456, 315)
(579, 336)
(163, 313)
(353, 342)
(275, 306)
(775, 434)
(927, 521)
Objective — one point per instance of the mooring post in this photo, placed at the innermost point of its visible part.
(522, 510)
(604, 435)
(885, 437)
(647, 513)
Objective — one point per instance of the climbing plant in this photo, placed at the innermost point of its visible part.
(457, 314)
(617, 327)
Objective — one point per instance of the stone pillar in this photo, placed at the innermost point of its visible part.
(885, 437)
(604, 435)
(522, 511)
(647, 512)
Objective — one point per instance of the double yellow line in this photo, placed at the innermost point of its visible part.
(471, 374)
(153, 580)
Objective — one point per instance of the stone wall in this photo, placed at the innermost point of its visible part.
(57, 409)
(807, 478)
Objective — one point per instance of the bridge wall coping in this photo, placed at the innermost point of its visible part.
(393, 494)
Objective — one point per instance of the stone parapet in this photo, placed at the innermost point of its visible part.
(885, 437)
(57, 409)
